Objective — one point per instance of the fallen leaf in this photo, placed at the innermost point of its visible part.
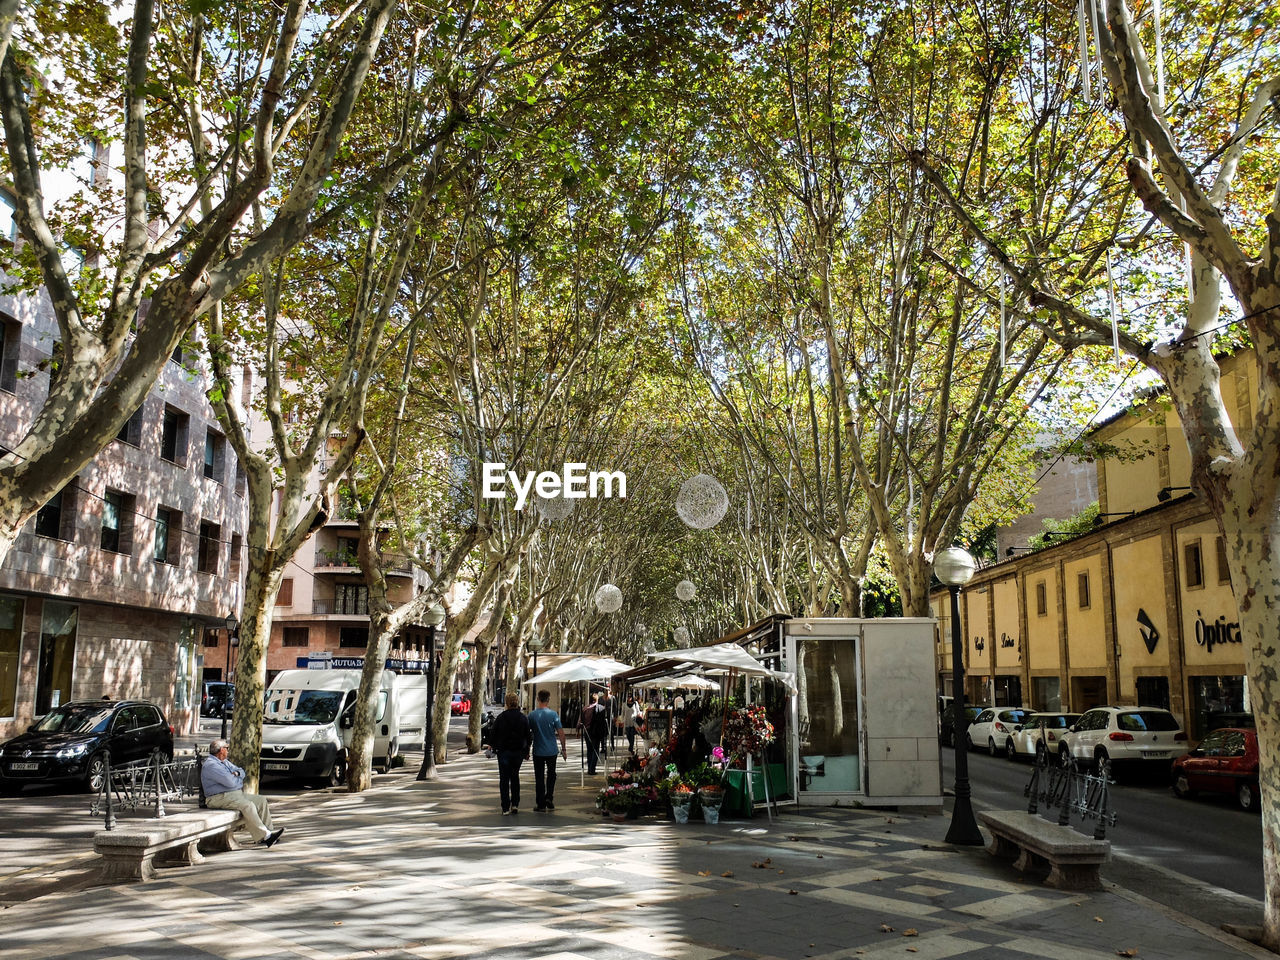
(819, 856)
(910, 932)
(912, 950)
(782, 871)
(796, 893)
(727, 873)
(337, 923)
(885, 928)
(1131, 952)
(1098, 919)
(876, 879)
(704, 873)
(758, 865)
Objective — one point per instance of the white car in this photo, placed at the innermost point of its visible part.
(1025, 739)
(992, 727)
(1126, 736)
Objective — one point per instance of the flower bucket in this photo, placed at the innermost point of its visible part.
(680, 808)
(711, 798)
(618, 817)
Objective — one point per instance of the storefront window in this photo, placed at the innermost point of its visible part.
(1219, 702)
(828, 712)
(57, 655)
(10, 646)
(1048, 694)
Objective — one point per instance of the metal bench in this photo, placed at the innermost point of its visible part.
(1031, 841)
(130, 850)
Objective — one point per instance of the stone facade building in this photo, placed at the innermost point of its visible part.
(1140, 610)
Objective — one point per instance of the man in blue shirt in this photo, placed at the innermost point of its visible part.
(223, 784)
(545, 724)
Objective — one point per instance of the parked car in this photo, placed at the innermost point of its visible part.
(946, 727)
(218, 699)
(461, 704)
(1126, 736)
(992, 726)
(1226, 761)
(1025, 739)
(72, 742)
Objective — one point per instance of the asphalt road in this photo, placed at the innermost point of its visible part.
(1208, 839)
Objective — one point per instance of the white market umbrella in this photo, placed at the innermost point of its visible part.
(583, 668)
(687, 681)
(720, 656)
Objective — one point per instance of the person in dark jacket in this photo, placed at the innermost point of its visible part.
(510, 739)
(595, 728)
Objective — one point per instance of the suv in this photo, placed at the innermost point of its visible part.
(1125, 736)
(218, 699)
(74, 741)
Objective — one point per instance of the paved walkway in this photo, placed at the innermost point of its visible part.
(431, 870)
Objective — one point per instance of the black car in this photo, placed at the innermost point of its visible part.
(72, 743)
(218, 699)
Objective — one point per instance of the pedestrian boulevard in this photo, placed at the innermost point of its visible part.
(432, 870)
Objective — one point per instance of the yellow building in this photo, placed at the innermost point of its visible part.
(1139, 610)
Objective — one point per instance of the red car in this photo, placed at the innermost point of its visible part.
(461, 704)
(1226, 761)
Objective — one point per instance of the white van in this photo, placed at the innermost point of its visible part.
(411, 699)
(307, 721)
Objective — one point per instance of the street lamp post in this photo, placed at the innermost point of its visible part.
(433, 619)
(954, 567)
(232, 638)
(535, 644)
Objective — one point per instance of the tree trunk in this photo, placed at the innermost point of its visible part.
(260, 589)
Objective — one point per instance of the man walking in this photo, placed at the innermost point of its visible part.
(223, 784)
(595, 728)
(545, 725)
(510, 739)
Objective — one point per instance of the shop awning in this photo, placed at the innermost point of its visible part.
(716, 659)
(583, 668)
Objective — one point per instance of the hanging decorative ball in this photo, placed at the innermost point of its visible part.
(641, 629)
(685, 590)
(553, 508)
(608, 599)
(681, 636)
(702, 502)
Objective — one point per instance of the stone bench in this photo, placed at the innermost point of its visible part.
(129, 852)
(1032, 842)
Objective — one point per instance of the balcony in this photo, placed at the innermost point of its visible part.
(329, 607)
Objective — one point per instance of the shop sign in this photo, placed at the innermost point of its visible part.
(1212, 633)
(1008, 641)
(1150, 635)
(979, 643)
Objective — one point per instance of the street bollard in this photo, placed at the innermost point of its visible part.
(159, 791)
(106, 786)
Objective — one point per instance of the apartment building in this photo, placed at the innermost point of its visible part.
(112, 588)
(1139, 610)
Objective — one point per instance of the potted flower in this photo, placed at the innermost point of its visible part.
(623, 803)
(710, 796)
(681, 796)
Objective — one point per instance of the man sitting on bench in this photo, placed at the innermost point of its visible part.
(223, 784)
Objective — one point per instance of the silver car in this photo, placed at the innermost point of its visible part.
(1025, 741)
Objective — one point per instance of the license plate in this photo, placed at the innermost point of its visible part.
(24, 765)
(1157, 754)
(275, 766)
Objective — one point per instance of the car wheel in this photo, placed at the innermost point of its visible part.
(1010, 750)
(991, 747)
(1064, 756)
(1247, 796)
(968, 742)
(164, 755)
(1181, 788)
(95, 773)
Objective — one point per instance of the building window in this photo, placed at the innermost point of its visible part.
(1042, 599)
(57, 655)
(237, 546)
(297, 636)
(1224, 568)
(210, 637)
(173, 436)
(285, 597)
(207, 556)
(352, 598)
(215, 446)
(56, 519)
(10, 343)
(10, 648)
(1082, 586)
(131, 430)
(1193, 565)
(353, 637)
(117, 522)
(168, 536)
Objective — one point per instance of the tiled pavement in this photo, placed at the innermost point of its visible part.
(431, 870)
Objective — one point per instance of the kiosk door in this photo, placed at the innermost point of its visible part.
(828, 755)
